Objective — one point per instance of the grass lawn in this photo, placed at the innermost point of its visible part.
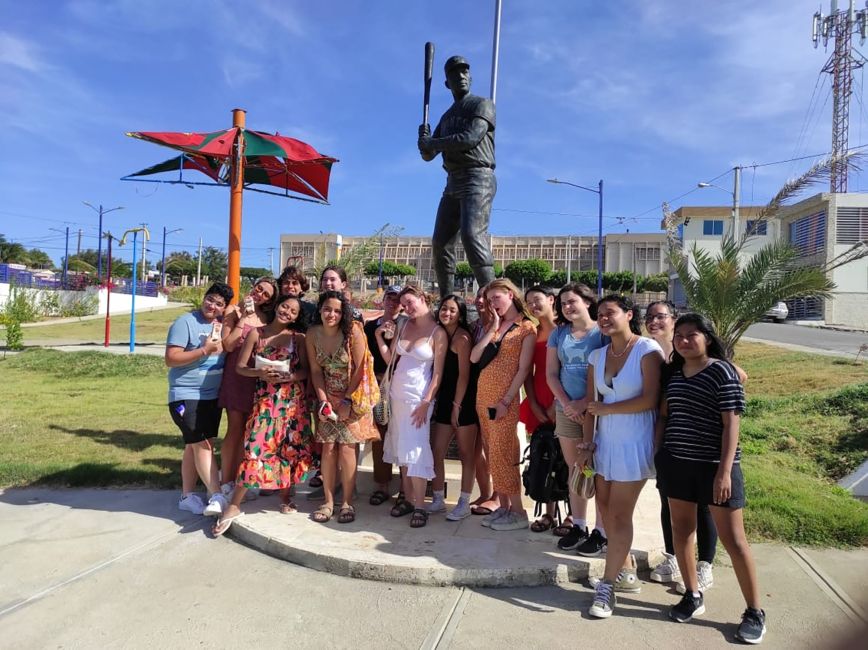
(96, 419)
(151, 327)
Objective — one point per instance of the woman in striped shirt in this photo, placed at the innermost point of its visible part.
(699, 463)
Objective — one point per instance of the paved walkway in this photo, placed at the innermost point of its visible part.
(126, 569)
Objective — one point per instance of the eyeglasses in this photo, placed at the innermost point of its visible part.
(215, 302)
(650, 318)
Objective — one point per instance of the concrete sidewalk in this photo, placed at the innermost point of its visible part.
(126, 569)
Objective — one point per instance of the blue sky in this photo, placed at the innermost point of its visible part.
(649, 96)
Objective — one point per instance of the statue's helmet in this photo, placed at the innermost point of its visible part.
(455, 62)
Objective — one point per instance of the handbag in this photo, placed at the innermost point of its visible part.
(582, 481)
(383, 409)
(367, 393)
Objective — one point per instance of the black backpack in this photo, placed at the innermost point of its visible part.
(546, 477)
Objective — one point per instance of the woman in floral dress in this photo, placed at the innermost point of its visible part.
(278, 434)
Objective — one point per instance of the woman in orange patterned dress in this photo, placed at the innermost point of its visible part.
(506, 352)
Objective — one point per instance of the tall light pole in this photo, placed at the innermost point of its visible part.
(65, 255)
(735, 226)
(146, 237)
(598, 191)
(163, 263)
(101, 212)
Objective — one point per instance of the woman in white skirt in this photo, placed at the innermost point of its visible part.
(421, 345)
(623, 391)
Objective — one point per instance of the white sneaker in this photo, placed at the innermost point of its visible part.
(510, 521)
(191, 503)
(437, 505)
(494, 516)
(706, 578)
(666, 571)
(216, 505)
(604, 600)
(459, 512)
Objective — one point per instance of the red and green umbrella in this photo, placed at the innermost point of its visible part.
(242, 159)
(271, 160)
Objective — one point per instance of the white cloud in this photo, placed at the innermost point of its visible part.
(19, 53)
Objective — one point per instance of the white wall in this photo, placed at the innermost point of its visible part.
(121, 303)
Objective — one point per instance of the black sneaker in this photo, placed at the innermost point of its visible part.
(593, 546)
(688, 607)
(753, 626)
(573, 538)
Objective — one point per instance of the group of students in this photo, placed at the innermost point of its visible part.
(630, 406)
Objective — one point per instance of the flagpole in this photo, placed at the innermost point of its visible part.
(236, 178)
(495, 50)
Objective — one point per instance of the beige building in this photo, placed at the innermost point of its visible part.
(644, 253)
(822, 228)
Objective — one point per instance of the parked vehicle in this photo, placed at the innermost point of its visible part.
(779, 312)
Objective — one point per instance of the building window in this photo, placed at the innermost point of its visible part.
(757, 227)
(645, 254)
(712, 227)
(808, 234)
(852, 225)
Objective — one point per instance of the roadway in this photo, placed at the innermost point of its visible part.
(809, 339)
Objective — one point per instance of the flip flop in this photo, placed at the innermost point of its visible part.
(224, 523)
(480, 510)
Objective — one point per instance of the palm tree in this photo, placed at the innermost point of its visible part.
(735, 291)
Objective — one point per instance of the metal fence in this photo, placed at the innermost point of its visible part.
(29, 280)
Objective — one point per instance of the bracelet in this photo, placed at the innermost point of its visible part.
(458, 404)
(587, 446)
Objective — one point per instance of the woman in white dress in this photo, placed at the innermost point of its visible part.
(623, 391)
(421, 345)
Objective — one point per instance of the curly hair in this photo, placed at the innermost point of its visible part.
(294, 273)
(462, 310)
(300, 323)
(346, 324)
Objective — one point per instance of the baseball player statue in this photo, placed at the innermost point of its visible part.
(464, 137)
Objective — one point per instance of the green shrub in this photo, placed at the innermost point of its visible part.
(80, 304)
(49, 303)
(22, 306)
(191, 295)
(14, 336)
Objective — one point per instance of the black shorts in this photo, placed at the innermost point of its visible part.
(692, 480)
(197, 419)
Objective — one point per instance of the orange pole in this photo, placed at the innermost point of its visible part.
(236, 192)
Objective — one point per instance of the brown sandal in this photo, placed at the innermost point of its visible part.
(564, 529)
(401, 509)
(288, 508)
(543, 524)
(347, 514)
(323, 514)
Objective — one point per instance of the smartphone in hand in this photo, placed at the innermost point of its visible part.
(492, 412)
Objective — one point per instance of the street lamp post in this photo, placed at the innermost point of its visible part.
(146, 236)
(101, 212)
(599, 192)
(736, 191)
(163, 263)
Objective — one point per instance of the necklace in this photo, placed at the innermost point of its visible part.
(626, 347)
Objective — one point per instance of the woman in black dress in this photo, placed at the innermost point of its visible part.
(455, 411)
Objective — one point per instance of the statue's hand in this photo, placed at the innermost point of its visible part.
(424, 131)
(424, 144)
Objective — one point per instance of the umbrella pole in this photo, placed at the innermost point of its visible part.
(235, 195)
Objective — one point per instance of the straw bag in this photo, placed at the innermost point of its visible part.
(383, 408)
(582, 478)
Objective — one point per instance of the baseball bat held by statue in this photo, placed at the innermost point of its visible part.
(429, 72)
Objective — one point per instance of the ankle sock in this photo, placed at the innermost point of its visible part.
(580, 523)
(465, 497)
(439, 495)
